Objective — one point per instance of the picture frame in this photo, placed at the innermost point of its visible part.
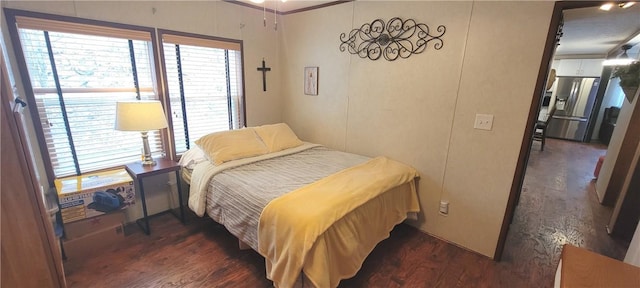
(311, 80)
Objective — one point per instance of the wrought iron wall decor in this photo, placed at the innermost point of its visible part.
(396, 38)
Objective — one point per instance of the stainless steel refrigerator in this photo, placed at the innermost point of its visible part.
(575, 97)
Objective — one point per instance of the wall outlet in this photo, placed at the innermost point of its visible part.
(483, 122)
(444, 208)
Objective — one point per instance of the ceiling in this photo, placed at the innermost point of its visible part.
(289, 6)
(591, 31)
(587, 32)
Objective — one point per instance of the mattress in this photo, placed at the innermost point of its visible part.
(236, 193)
(237, 196)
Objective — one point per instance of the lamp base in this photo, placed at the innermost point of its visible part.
(146, 154)
(148, 162)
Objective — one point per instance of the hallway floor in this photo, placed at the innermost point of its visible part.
(559, 205)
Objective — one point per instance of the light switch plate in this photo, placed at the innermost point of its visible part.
(483, 122)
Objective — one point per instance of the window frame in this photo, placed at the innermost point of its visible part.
(12, 14)
(242, 118)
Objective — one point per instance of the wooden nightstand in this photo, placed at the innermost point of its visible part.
(139, 172)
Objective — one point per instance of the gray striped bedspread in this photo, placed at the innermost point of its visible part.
(237, 196)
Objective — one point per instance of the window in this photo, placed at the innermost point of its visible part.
(77, 73)
(204, 84)
(75, 70)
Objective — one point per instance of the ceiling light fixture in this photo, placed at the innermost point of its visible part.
(275, 17)
(264, 12)
(262, 1)
(621, 60)
(626, 5)
(606, 7)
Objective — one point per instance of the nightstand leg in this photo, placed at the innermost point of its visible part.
(179, 184)
(145, 219)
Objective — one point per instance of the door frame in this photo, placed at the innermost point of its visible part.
(31, 215)
(527, 139)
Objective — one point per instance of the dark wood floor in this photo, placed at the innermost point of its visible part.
(558, 205)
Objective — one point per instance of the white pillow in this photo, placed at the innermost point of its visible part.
(278, 137)
(192, 157)
(230, 145)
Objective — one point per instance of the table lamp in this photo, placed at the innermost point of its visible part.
(141, 116)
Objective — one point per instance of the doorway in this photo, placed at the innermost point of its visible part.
(556, 170)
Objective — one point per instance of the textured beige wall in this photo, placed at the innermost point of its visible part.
(633, 254)
(312, 40)
(213, 18)
(502, 60)
(421, 110)
(613, 149)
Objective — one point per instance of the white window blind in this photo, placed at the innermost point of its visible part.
(204, 87)
(94, 72)
(80, 28)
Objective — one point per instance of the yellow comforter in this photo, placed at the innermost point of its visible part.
(291, 224)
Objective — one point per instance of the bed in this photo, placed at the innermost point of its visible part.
(314, 213)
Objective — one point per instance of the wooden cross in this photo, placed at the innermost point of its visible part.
(264, 70)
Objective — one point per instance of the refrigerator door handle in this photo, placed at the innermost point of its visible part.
(570, 118)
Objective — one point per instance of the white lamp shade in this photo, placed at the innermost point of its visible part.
(140, 116)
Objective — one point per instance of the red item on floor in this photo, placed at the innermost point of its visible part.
(596, 172)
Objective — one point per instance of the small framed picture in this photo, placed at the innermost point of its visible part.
(311, 80)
